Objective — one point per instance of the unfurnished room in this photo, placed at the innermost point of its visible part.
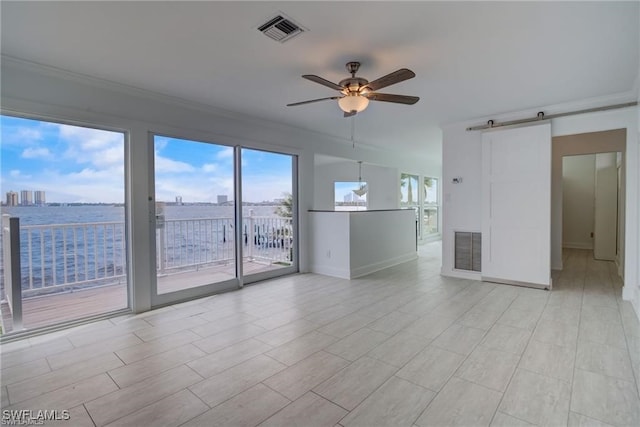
(320, 213)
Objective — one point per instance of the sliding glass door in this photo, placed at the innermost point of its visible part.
(204, 241)
(268, 212)
(194, 214)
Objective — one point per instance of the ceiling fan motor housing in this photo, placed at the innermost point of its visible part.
(353, 85)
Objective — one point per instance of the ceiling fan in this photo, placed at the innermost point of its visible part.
(357, 92)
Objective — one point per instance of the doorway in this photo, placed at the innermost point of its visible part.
(591, 143)
(590, 212)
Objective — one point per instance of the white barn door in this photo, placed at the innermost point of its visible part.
(516, 208)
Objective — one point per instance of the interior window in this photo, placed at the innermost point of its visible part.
(350, 196)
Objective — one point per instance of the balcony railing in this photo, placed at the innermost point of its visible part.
(197, 243)
(61, 257)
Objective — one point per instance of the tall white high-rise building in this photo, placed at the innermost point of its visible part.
(222, 199)
(12, 198)
(352, 197)
(26, 198)
(39, 198)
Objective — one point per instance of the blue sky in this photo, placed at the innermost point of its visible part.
(79, 164)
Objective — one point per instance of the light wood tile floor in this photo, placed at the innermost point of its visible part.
(402, 347)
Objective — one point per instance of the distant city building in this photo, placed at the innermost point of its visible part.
(12, 198)
(39, 198)
(178, 200)
(222, 199)
(352, 197)
(26, 198)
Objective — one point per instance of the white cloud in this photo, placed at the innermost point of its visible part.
(166, 165)
(89, 139)
(109, 157)
(99, 148)
(21, 136)
(210, 167)
(36, 152)
(87, 186)
(89, 164)
(226, 153)
(15, 173)
(29, 134)
(160, 143)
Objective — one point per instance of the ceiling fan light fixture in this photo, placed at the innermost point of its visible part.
(354, 102)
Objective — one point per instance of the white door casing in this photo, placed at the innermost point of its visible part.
(606, 209)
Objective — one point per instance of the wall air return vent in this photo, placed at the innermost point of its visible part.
(468, 248)
(281, 28)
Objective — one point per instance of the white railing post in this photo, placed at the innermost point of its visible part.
(160, 229)
(251, 235)
(6, 258)
(12, 268)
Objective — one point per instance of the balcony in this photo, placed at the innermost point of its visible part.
(59, 272)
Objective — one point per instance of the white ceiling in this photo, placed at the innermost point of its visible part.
(471, 59)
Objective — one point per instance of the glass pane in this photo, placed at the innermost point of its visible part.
(350, 196)
(430, 217)
(408, 190)
(65, 184)
(267, 211)
(430, 220)
(195, 239)
(431, 191)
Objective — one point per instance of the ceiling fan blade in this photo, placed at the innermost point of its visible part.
(390, 79)
(350, 113)
(388, 97)
(323, 82)
(312, 100)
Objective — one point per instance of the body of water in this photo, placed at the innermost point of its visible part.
(40, 215)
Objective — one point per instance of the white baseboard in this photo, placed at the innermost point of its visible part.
(341, 273)
(459, 274)
(345, 273)
(377, 266)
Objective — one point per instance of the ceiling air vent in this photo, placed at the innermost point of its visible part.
(281, 28)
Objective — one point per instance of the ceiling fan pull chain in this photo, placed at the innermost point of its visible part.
(353, 131)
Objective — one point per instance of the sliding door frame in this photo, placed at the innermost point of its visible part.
(159, 300)
(294, 267)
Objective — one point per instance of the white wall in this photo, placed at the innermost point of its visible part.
(353, 244)
(383, 184)
(578, 193)
(330, 252)
(461, 203)
(46, 93)
(462, 157)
